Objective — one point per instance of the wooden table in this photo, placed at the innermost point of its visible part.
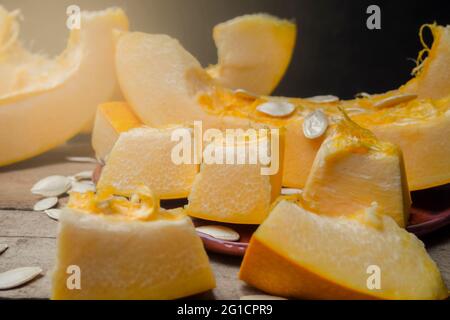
(31, 236)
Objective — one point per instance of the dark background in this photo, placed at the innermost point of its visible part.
(335, 52)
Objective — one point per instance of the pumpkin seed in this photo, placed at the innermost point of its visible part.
(83, 175)
(362, 95)
(82, 159)
(82, 187)
(16, 277)
(315, 124)
(51, 186)
(394, 100)
(354, 110)
(53, 213)
(323, 99)
(45, 204)
(219, 232)
(3, 247)
(261, 297)
(276, 108)
(290, 191)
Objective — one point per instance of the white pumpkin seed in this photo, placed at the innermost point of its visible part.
(45, 204)
(354, 110)
(276, 108)
(362, 95)
(394, 100)
(3, 247)
(16, 277)
(323, 99)
(82, 187)
(82, 159)
(261, 297)
(83, 175)
(51, 186)
(219, 232)
(315, 124)
(290, 191)
(53, 213)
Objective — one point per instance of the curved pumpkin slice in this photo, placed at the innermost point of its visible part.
(55, 106)
(254, 52)
(297, 253)
(432, 74)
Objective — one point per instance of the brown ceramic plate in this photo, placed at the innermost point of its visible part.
(430, 211)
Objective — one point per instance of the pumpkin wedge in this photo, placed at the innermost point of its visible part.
(432, 76)
(144, 156)
(165, 84)
(254, 52)
(354, 169)
(237, 192)
(300, 254)
(111, 119)
(127, 249)
(50, 101)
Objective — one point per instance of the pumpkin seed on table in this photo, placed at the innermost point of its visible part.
(16, 277)
(3, 247)
(276, 108)
(45, 204)
(82, 159)
(315, 124)
(219, 232)
(261, 297)
(394, 100)
(53, 213)
(51, 186)
(323, 99)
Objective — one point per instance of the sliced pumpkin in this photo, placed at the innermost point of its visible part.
(49, 101)
(165, 84)
(232, 191)
(352, 170)
(300, 254)
(111, 119)
(254, 52)
(432, 77)
(127, 249)
(143, 156)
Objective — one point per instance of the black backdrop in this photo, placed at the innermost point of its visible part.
(336, 53)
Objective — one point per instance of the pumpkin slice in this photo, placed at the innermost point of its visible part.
(128, 249)
(237, 192)
(254, 52)
(432, 79)
(111, 119)
(165, 84)
(352, 170)
(143, 156)
(297, 253)
(50, 104)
